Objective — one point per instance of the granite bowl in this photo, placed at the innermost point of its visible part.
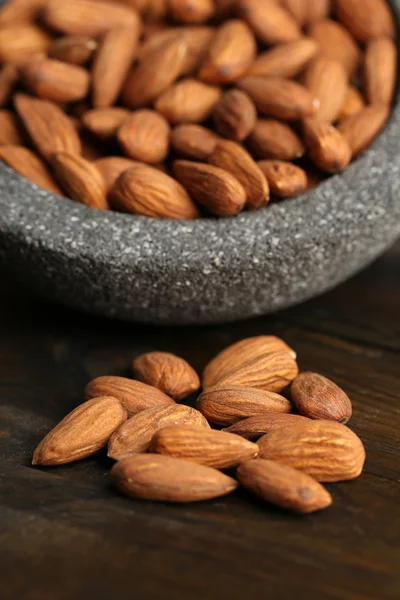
(205, 271)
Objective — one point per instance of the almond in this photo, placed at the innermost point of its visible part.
(144, 136)
(166, 479)
(297, 8)
(8, 80)
(237, 355)
(111, 167)
(208, 447)
(234, 159)
(80, 180)
(105, 122)
(283, 486)
(255, 427)
(285, 60)
(328, 148)
(235, 115)
(83, 432)
(317, 397)
(155, 11)
(284, 178)
(10, 133)
(135, 396)
(325, 450)
(327, 81)
(215, 189)
(271, 23)
(73, 49)
(366, 20)
(188, 101)
(27, 164)
(167, 372)
(20, 11)
(317, 10)
(273, 139)
(336, 43)
(227, 404)
(136, 434)
(19, 43)
(380, 70)
(112, 63)
(353, 103)
(230, 55)
(191, 11)
(362, 128)
(279, 98)
(193, 141)
(56, 81)
(145, 191)
(48, 127)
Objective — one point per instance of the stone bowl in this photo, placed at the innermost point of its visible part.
(210, 270)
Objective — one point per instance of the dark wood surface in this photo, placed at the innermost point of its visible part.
(67, 535)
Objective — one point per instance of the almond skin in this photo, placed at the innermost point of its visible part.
(8, 79)
(193, 141)
(227, 404)
(328, 148)
(380, 70)
(27, 164)
(317, 397)
(146, 191)
(366, 20)
(105, 122)
(73, 49)
(80, 180)
(10, 131)
(214, 188)
(191, 11)
(235, 115)
(285, 60)
(255, 427)
(297, 8)
(165, 479)
(285, 179)
(208, 447)
(325, 450)
(136, 434)
(273, 139)
(318, 10)
(20, 11)
(56, 81)
(271, 23)
(167, 372)
(336, 43)
(111, 167)
(353, 103)
(234, 159)
(283, 486)
(327, 81)
(188, 101)
(22, 42)
(362, 128)
(83, 432)
(144, 136)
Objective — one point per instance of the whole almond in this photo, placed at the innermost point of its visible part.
(144, 136)
(83, 432)
(237, 355)
(20, 11)
(143, 190)
(191, 11)
(21, 42)
(271, 23)
(214, 188)
(273, 139)
(336, 43)
(328, 148)
(284, 178)
(327, 81)
(136, 434)
(317, 10)
(380, 70)
(234, 159)
(111, 167)
(166, 479)
(325, 450)
(105, 122)
(353, 103)
(255, 427)
(48, 127)
(10, 131)
(297, 8)
(362, 128)
(283, 486)
(208, 447)
(285, 60)
(366, 20)
(8, 79)
(231, 53)
(135, 396)
(235, 115)
(227, 404)
(56, 81)
(167, 372)
(80, 180)
(27, 164)
(317, 397)
(188, 101)
(279, 98)
(73, 49)
(193, 141)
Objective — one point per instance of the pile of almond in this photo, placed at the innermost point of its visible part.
(277, 432)
(186, 108)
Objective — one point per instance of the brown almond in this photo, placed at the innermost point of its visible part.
(279, 98)
(111, 167)
(284, 178)
(235, 115)
(226, 404)
(255, 427)
(327, 81)
(283, 486)
(112, 63)
(273, 139)
(165, 371)
(193, 141)
(224, 9)
(56, 81)
(20, 11)
(317, 10)
(83, 432)
(231, 53)
(144, 190)
(105, 122)
(317, 397)
(10, 131)
(208, 447)
(165, 479)
(188, 101)
(49, 128)
(136, 434)
(19, 43)
(237, 355)
(363, 127)
(191, 11)
(27, 164)
(214, 188)
(366, 20)
(73, 49)
(135, 396)
(8, 79)
(234, 159)
(328, 148)
(144, 136)
(297, 8)
(336, 43)
(380, 71)
(271, 23)
(353, 103)
(325, 450)
(285, 60)
(80, 180)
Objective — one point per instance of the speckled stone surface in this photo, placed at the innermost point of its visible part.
(204, 271)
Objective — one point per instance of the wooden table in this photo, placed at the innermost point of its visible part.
(67, 535)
